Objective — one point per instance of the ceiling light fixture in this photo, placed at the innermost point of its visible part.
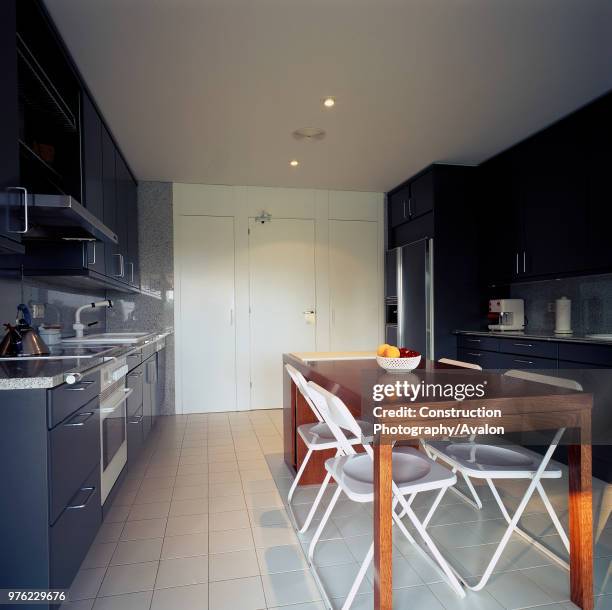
(329, 102)
(309, 133)
(294, 163)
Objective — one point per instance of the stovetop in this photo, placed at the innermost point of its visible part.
(61, 352)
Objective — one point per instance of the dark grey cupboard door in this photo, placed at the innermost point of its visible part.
(421, 195)
(93, 182)
(114, 266)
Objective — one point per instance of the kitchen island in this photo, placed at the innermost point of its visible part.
(526, 406)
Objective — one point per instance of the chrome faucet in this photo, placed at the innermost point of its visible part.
(78, 327)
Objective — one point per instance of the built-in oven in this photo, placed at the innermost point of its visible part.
(113, 424)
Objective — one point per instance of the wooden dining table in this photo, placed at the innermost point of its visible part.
(526, 407)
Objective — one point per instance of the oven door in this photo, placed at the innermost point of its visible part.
(113, 444)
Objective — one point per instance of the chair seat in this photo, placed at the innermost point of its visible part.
(480, 460)
(412, 472)
(318, 436)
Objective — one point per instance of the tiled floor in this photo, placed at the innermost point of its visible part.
(200, 524)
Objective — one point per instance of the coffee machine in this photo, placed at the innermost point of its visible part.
(506, 314)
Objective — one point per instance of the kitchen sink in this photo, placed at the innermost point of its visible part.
(107, 338)
(600, 337)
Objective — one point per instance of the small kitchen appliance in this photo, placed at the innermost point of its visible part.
(22, 339)
(506, 314)
(563, 316)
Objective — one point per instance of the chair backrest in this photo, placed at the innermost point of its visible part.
(465, 365)
(337, 416)
(301, 384)
(559, 382)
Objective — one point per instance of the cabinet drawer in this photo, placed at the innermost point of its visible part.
(73, 533)
(487, 360)
(65, 399)
(474, 342)
(74, 449)
(134, 381)
(516, 361)
(588, 353)
(527, 347)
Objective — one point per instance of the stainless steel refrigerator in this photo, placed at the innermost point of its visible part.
(415, 277)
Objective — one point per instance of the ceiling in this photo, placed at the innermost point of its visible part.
(209, 91)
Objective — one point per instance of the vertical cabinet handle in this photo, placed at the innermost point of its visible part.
(524, 265)
(409, 207)
(24, 192)
(132, 274)
(404, 206)
(121, 266)
(231, 316)
(517, 268)
(92, 262)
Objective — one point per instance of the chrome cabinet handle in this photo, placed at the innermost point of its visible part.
(137, 420)
(410, 207)
(523, 344)
(517, 256)
(132, 275)
(524, 266)
(91, 491)
(474, 354)
(135, 374)
(523, 361)
(474, 340)
(24, 191)
(404, 206)
(73, 424)
(92, 262)
(121, 266)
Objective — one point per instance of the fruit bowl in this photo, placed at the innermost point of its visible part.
(399, 365)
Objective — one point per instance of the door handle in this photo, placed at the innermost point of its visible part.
(121, 266)
(92, 262)
(517, 268)
(473, 340)
(474, 354)
(523, 361)
(309, 311)
(523, 344)
(132, 269)
(524, 265)
(410, 207)
(24, 191)
(231, 316)
(136, 420)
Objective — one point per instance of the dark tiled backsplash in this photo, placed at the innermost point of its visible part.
(591, 298)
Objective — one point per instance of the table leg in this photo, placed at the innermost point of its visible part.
(581, 526)
(383, 533)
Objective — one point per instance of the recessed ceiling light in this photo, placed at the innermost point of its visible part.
(329, 102)
(294, 163)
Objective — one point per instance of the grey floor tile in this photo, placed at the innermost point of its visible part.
(416, 597)
(232, 520)
(187, 524)
(474, 600)
(197, 506)
(554, 580)
(99, 555)
(288, 588)
(181, 572)
(191, 492)
(193, 597)
(515, 590)
(109, 532)
(86, 584)
(276, 535)
(129, 578)
(231, 540)
(154, 510)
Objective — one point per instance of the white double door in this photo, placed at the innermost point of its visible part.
(282, 301)
(206, 335)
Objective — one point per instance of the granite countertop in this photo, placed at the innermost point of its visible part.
(536, 335)
(41, 373)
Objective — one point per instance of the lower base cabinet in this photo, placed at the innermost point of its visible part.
(135, 435)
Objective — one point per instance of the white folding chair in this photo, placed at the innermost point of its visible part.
(317, 437)
(479, 460)
(413, 472)
(476, 503)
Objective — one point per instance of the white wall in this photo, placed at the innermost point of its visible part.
(242, 203)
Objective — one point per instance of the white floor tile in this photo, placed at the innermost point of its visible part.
(230, 541)
(240, 564)
(129, 578)
(242, 593)
(285, 558)
(129, 601)
(86, 584)
(232, 520)
(290, 588)
(185, 546)
(181, 572)
(141, 530)
(137, 551)
(193, 597)
(187, 524)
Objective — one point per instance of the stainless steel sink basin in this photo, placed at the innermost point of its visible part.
(107, 338)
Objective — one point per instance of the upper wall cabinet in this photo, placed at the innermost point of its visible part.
(545, 203)
(411, 200)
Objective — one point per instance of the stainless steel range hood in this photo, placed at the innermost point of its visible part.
(59, 217)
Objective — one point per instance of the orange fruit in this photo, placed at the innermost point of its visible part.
(382, 348)
(392, 352)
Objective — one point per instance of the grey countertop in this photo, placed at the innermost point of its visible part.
(536, 335)
(30, 373)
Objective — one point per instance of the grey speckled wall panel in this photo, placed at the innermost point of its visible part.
(155, 242)
(591, 298)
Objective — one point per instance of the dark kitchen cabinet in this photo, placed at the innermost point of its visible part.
(93, 177)
(411, 200)
(115, 267)
(127, 222)
(599, 185)
(553, 200)
(160, 391)
(391, 274)
(135, 436)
